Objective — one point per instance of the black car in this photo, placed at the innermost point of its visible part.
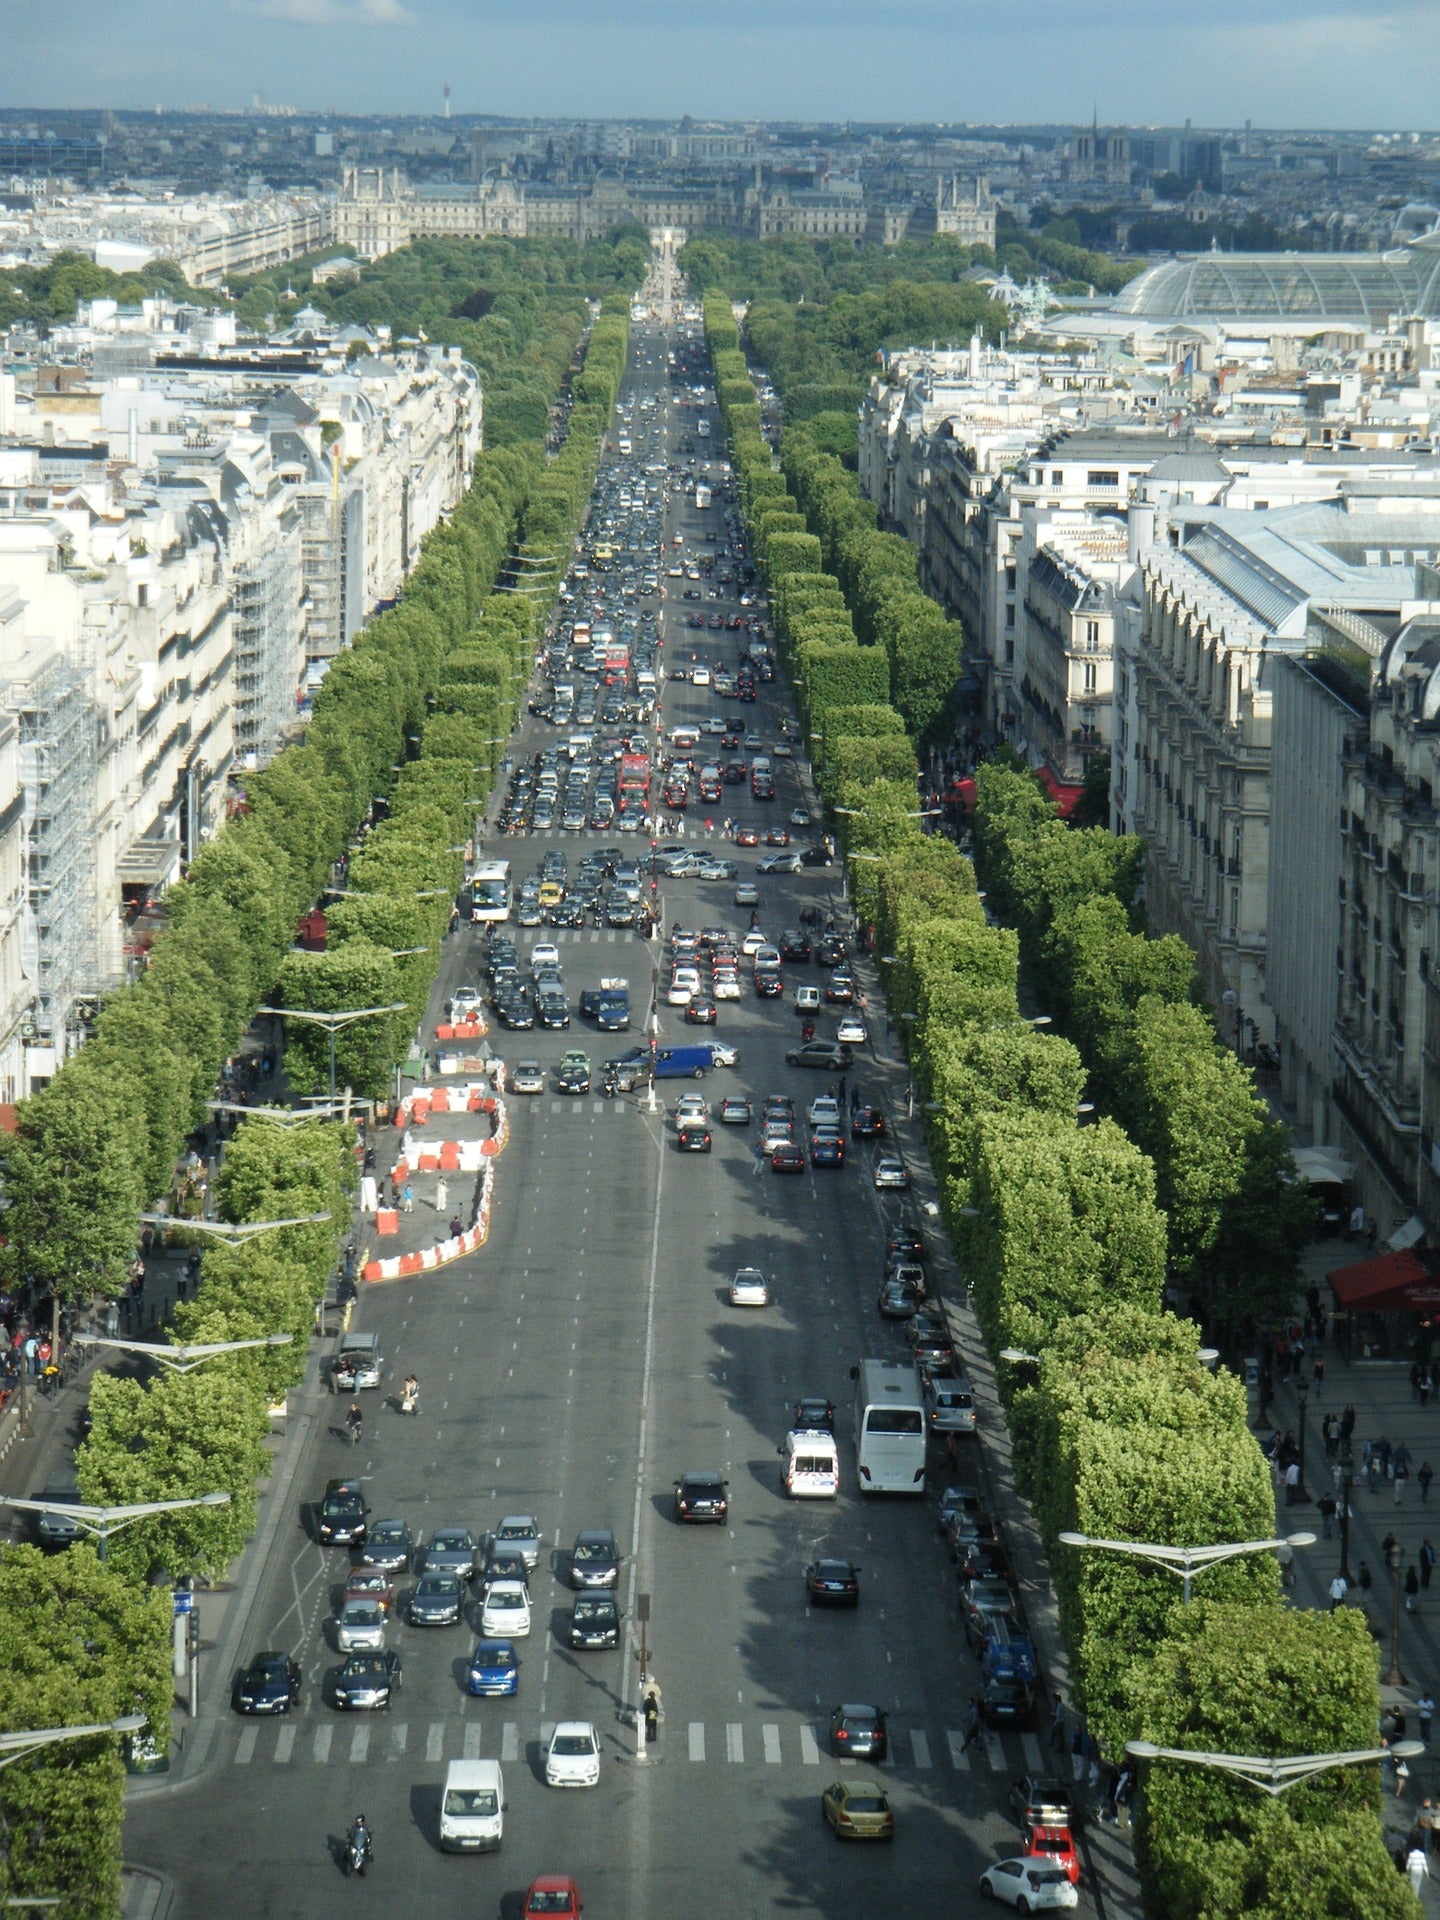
(436, 1601)
(594, 1622)
(769, 983)
(388, 1546)
(701, 1497)
(504, 1563)
(1007, 1704)
(693, 1139)
(828, 1055)
(814, 1414)
(552, 1010)
(840, 987)
(594, 1559)
(1041, 1800)
(858, 1733)
(572, 1077)
(794, 947)
(514, 1013)
(341, 1521)
(270, 1684)
(833, 1583)
(867, 1123)
(367, 1681)
(830, 951)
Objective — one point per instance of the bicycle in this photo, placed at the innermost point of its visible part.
(355, 1426)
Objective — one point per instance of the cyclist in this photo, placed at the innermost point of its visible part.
(354, 1423)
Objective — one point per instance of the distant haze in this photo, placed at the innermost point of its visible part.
(1280, 63)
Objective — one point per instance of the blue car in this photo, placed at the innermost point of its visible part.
(494, 1668)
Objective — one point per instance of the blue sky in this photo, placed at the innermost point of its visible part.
(1366, 63)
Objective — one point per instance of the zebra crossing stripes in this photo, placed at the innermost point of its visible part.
(920, 1747)
(809, 1750)
(435, 1742)
(284, 1746)
(472, 1739)
(735, 1743)
(360, 1746)
(510, 1741)
(697, 1740)
(770, 1740)
(246, 1749)
(959, 1758)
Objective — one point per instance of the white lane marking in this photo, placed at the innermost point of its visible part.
(697, 1739)
(920, 1747)
(322, 1744)
(1030, 1747)
(510, 1741)
(959, 1758)
(435, 1741)
(399, 1735)
(359, 1745)
(245, 1751)
(284, 1746)
(771, 1737)
(809, 1751)
(735, 1742)
(472, 1740)
(995, 1750)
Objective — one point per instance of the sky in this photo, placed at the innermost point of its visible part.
(1280, 63)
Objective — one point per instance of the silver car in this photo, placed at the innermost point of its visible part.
(361, 1627)
(519, 1532)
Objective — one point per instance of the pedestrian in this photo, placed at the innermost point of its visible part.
(1425, 1476)
(1412, 1587)
(1317, 1373)
(442, 1194)
(1339, 1587)
(972, 1722)
(759, 1153)
(1330, 1434)
(1400, 1468)
(1427, 1380)
(1292, 1483)
(1057, 1723)
(1425, 1714)
(407, 1198)
(1326, 1504)
(1121, 1792)
(1427, 1563)
(1357, 1222)
(1370, 1460)
(1364, 1579)
(425, 1065)
(842, 1090)
(1347, 1420)
(457, 1226)
(854, 1098)
(1417, 1869)
(1077, 1753)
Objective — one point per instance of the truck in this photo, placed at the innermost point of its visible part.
(608, 1005)
(702, 497)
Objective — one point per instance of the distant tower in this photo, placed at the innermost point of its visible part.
(447, 99)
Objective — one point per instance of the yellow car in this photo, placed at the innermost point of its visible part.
(551, 893)
(857, 1811)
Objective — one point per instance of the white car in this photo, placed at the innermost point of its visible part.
(852, 1031)
(1030, 1885)
(807, 1000)
(528, 1077)
(573, 1757)
(547, 954)
(752, 943)
(726, 984)
(715, 724)
(766, 959)
(824, 1111)
(724, 1056)
(361, 1627)
(506, 1612)
(778, 1131)
(749, 1288)
(465, 1003)
(700, 676)
(890, 1171)
(692, 1110)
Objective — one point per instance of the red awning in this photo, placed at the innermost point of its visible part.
(1393, 1283)
(1066, 798)
(966, 790)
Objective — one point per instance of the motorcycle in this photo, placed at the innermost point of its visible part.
(359, 1853)
(609, 1086)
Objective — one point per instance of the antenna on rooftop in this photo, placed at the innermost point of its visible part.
(447, 99)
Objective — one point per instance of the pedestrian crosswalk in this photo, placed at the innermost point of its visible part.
(773, 1743)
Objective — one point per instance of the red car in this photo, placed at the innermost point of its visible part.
(747, 837)
(552, 1893)
(701, 1013)
(777, 837)
(370, 1583)
(1054, 1845)
(788, 1159)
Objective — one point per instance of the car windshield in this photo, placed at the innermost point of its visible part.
(506, 1602)
(494, 1657)
(572, 1743)
(471, 1800)
(520, 1531)
(865, 1803)
(545, 1902)
(591, 1550)
(592, 1609)
(362, 1613)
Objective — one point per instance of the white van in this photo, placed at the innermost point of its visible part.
(812, 1465)
(472, 1807)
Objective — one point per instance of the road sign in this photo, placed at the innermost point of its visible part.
(184, 1601)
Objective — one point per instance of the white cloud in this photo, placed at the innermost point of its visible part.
(334, 13)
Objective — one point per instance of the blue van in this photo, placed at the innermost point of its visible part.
(681, 1063)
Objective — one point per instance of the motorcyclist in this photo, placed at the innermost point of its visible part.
(362, 1846)
(807, 1031)
(610, 1082)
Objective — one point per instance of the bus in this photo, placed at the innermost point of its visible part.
(702, 496)
(889, 1427)
(490, 890)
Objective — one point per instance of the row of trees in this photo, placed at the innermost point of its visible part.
(417, 711)
(1065, 1232)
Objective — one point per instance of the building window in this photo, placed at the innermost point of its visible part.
(1089, 676)
(1102, 477)
(1092, 635)
(1057, 478)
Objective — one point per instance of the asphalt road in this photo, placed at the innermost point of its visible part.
(572, 1368)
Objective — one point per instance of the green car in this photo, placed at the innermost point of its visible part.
(573, 1073)
(857, 1811)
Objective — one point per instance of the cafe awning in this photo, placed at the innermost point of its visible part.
(1393, 1283)
(1323, 1166)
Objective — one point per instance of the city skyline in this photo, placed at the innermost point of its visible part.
(1371, 64)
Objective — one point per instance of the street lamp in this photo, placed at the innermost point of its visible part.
(1275, 1776)
(1186, 1562)
(332, 1022)
(184, 1359)
(233, 1233)
(105, 1521)
(15, 1746)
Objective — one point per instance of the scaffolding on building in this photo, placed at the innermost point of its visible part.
(265, 617)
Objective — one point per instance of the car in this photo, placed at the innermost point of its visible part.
(769, 983)
(451, 1550)
(1029, 1886)
(982, 1603)
(503, 1563)
(823, 1111)
(854, 1810)
(949, 1403)
(692, 1109)
(794, 947)
(521, 1533)
(891, 1173)
(814, 1413)
(787, 1158)
(1055, 1846)
(826, 1055)
(778, 862)
(493, 1671)
(1042, 1799)
(436, 1601)
(594, 1622)
(342, 1516)
(833, 1583)
(465, 1003)
(505, 1611)
(1007, 1704)
(552, 1010)
(747, 837)
(897, 1300)
(858, 1732)
(852, 1031)
(270, 1684)
(527, 1076)
(594, 1559)
(368, 1681)
(573, 1757)
(867, 1123)
(360, 1627)
(735, 1111)
(701, 1497)
(749, 1288)
(388, 1546)
(573, 1073)
(752, 944)
(807, 999)
(369, 1583)
(552, 1893)
(827, 1147)
(701, 1012)
(777, 1131)
(693, 1138)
